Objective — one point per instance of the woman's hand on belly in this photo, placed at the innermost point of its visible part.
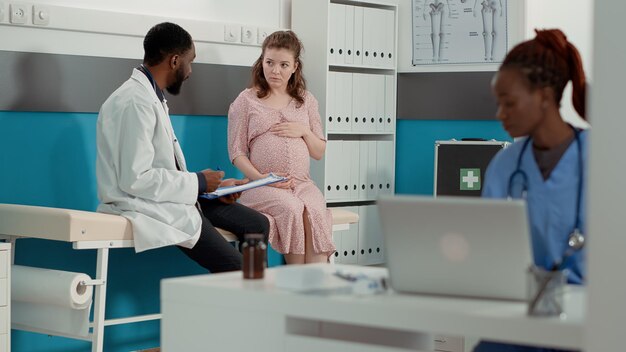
(290, 129)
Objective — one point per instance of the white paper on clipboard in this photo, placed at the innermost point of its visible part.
(224, 191)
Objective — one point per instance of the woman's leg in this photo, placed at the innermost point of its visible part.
(316, 224)
(294, 258)
(309, 254)
(285, 213)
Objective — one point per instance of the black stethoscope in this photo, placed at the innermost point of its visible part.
(521, 174)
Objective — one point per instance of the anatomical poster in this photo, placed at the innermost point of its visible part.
(459, 31)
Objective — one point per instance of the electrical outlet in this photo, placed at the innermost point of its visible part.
(263, 33)
(1, 11)
(248, 34)
(41, 15)
(17, 13)
(232, 33)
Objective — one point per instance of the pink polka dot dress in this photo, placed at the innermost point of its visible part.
(249, 123)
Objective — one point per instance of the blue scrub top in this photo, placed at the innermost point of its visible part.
(551, 203)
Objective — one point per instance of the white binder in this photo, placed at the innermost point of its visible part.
(340, 34)
(370, 236)
(352, 149)
(372, 170)
(333, 155)
(380, 37)
(358, 102)
(385, 157)
(333, 23)
(339, 101)
(344, 101)
(379, 82)
(331, 102)
(346, 123)
(364, 102)
(342, 171)
(363, 170)
(369, 28)
(378, 254)
(349, 31)
(390, 31)
(350, 241)
(337, 257)
(390, 103)
(358, 35)
(370, 114)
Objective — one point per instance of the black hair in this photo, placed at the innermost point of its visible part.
(164, 39)
(549, 60)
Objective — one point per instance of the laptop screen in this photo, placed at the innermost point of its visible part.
(458, 246)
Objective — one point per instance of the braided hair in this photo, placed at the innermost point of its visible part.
(549, 60)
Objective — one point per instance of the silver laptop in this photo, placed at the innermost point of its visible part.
(459, 246)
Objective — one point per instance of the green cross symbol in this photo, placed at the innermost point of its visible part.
(470, 179)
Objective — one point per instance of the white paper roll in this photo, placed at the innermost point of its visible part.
(50, 287)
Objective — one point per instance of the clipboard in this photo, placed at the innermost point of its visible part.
(224, 191)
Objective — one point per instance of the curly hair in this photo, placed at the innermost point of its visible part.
(296, 87)
(549, 60)
(164, 39)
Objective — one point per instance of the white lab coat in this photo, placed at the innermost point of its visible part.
(136, 169)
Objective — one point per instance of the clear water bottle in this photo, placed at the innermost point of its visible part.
(254, 251)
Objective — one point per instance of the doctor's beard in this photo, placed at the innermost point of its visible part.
(174, 88)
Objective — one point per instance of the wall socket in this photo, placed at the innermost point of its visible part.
(262, 34)
(18, 13)
(248, 34)
(41, 15)
(232, 33)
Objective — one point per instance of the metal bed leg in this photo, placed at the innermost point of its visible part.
(12, 241)
(97, 340)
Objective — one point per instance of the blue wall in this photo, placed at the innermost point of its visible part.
(48, 159)
(415, 148)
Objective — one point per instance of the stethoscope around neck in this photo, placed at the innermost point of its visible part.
(521, 175)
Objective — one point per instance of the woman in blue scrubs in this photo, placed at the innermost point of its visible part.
(546, 165)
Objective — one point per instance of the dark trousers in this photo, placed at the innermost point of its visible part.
(212, 251)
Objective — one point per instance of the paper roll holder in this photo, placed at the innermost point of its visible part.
(91, 282)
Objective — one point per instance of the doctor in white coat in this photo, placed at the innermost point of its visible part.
(141, 169)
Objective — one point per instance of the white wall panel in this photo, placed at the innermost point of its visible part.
(255, 12)
(606, 194)
(116, 28)
(577, 26)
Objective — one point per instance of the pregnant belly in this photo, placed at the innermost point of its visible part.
(271, 153)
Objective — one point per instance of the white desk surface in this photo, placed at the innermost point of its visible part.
(488, 319)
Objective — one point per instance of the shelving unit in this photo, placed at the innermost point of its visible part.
(350, 66)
